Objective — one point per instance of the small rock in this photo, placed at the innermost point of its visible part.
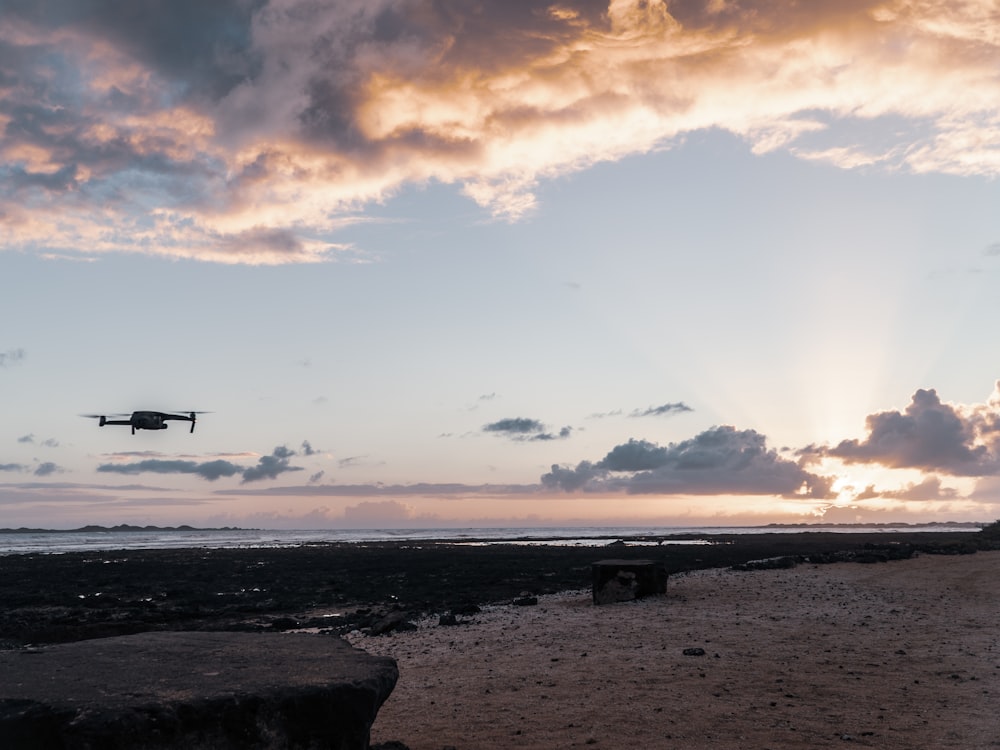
(392, 621)
(694, 651)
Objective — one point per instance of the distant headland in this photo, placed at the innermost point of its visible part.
(122, 527)
(879, 525)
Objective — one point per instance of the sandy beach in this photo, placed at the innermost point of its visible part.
(904, 654)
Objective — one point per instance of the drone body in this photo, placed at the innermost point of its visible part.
(146, 420)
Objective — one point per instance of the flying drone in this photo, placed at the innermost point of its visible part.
(147, 420)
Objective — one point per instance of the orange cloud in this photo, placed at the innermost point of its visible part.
(277, 126)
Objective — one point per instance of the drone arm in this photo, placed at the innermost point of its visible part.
(186, 418)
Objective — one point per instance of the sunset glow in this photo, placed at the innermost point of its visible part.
(635, 262)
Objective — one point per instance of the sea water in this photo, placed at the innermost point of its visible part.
(54, 542)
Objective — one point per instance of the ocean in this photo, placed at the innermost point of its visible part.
(56, 542)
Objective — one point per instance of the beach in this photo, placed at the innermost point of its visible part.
(898, 648)
(335, 588)
(903, 654)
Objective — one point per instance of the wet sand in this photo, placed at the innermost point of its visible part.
(903, 654)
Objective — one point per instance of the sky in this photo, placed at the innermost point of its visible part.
(429, 263)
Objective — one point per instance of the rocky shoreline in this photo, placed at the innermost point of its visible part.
(337, 588)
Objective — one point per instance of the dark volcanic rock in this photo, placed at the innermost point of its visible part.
(768, 563)
(390, 622)
(624, 580)
(192, 690)
(97, 594)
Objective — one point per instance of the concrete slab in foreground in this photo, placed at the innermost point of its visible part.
(192, 690)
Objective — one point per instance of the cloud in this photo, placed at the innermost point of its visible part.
(605, 414)
(375, 513)
(29, 439)
(42, 469)
(267, 467)
(11, 356)
(210, 470)
(250, 132)
(927, 489)
(664, 410)
(484, 398)
(722, 460)
(930, 435)
(420, 489)
(270, 467)
(46, 468)
(522, 428)
(515, 426)
(635, 455)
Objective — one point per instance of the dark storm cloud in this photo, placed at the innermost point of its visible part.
(524, 429)
(929, 435)
(11, 356)
(13, 467)
(721, 460)
(204, 44)
(665, 410)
